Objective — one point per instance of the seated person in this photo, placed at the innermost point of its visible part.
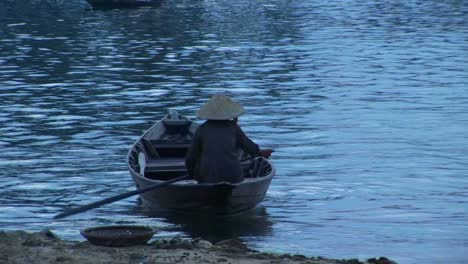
(213, 154)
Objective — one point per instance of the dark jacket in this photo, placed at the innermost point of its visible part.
(213, 155)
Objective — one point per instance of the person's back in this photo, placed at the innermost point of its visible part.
(213, 155)
(215, 148)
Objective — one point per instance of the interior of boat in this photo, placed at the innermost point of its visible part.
(160, 155)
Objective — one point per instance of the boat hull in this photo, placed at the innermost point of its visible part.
(220, 198)
(159, 155)
(123, 3)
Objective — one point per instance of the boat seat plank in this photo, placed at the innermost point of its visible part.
(158, 144)
(165, 164)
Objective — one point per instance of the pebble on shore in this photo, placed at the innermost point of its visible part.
(19, 247)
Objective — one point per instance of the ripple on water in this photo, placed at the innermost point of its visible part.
(365, 104)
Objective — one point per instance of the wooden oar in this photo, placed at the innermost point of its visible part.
(125, 195)
(118, 197)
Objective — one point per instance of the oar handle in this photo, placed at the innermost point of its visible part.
(118, 197)
(249, 158)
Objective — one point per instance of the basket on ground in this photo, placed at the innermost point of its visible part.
(118, 235)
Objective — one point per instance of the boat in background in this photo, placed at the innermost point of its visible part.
(159, 155)
(123, 3)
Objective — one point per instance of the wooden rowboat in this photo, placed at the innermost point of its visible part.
(159, 155)
(123, 3)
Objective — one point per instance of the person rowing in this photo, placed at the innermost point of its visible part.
(213, 154)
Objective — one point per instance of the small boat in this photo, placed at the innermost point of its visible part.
(123, 3)
(159, 155)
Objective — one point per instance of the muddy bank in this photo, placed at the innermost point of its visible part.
(19, 247)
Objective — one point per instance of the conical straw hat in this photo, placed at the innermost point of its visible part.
(220, 107)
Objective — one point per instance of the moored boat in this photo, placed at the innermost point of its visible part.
(123, 3)
(159, 155)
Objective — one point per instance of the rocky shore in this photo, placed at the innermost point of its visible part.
(19, 247)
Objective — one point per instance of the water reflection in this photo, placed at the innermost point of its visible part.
(365, 103)
(254, 223)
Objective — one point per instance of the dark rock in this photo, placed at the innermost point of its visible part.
(62, 259)
(381, 260)
(135, 256)
(200, 243)
(175, 241)
(185, 244)
(351, 261)
(261, 255)
(33, 242)
(233, 245)
(299, 257)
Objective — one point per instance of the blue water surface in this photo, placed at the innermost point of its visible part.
(365, 103)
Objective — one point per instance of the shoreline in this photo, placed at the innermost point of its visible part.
(21, 247)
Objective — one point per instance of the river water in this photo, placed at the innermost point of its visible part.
(365, 103)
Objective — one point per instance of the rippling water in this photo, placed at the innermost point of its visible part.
(365, 103)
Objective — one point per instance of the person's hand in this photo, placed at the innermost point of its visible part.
(266, 153)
